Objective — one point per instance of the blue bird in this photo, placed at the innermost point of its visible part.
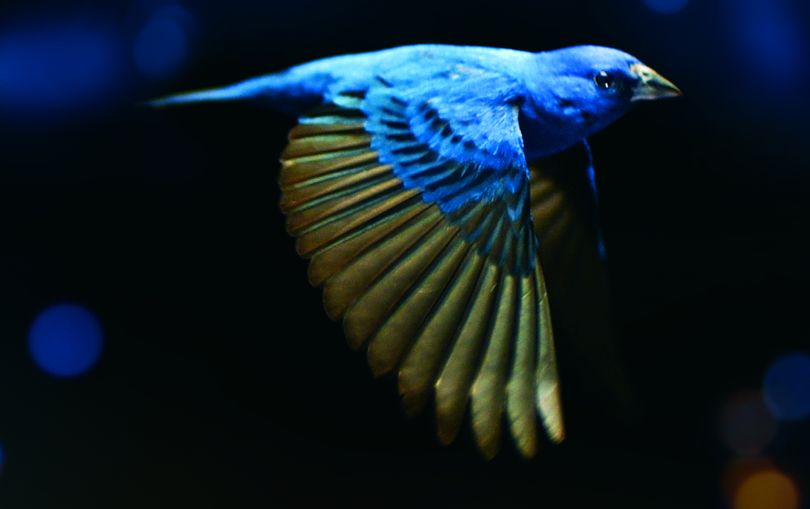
(416, 186)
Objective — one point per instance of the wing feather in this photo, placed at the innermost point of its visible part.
(547, 381)
(342, 243)
(393, 339)
(418, 372)
(308, 168)
(520, 392)
(447, 294)
(332, 208)
(488, 391)
(370, 310)
(455, 379)
(346, 286)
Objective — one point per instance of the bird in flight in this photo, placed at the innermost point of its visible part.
(415, 184)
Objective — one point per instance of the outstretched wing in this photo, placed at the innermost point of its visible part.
(411, 201)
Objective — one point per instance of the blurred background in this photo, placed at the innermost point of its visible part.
(159, 344)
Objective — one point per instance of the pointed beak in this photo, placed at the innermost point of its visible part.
(651, 85)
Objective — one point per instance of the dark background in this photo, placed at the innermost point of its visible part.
(223, 383)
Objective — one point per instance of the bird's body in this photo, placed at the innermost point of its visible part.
(550, 122)
(411, 184)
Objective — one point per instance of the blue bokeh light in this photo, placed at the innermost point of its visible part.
(787, 387)
(52, 66)
(65, 340)
(772, 44)
(666, 6)
(161, 45)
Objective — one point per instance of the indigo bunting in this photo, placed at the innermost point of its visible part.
(415, 185)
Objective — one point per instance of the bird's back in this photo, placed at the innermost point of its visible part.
(303, 86)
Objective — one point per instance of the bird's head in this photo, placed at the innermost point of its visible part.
(595, 85)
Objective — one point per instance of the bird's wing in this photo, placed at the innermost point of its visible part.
(563, 205)
(414, 211)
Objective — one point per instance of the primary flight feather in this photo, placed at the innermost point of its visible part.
(412, 185)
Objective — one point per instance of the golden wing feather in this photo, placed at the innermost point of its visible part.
(453, 323)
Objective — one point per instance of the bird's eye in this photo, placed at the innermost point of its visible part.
(604, 80)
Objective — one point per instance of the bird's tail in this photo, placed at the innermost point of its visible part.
(252, 89)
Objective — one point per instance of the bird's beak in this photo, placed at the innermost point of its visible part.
(651, 85)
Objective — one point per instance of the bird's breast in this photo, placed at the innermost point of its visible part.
(547, 134)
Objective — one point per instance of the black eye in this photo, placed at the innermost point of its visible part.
(604, 80)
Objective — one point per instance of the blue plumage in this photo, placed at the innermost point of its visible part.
(460, 123)
(411, 184)
(481, 113)
(560, 103)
